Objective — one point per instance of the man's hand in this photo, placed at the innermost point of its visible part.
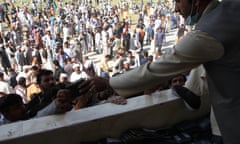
(93, 85)
(117, 100)
(64, 100)
(81, 102)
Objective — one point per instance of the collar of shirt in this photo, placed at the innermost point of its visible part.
(213, 4)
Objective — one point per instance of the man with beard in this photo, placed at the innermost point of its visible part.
(39, 101)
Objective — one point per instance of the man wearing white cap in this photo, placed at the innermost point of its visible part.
(63, 78)
(78, 73)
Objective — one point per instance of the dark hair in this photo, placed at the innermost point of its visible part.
(1, 75)
(67, 60)
(56, 63)
(22, 81)
(150, 58)
(34, 67)
(182, 75)
(129, 52)
(145, 53)
(8, 100)
(108, 56)
(11, 70)
(43, 72)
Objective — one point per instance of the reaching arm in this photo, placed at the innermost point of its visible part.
(194, 49)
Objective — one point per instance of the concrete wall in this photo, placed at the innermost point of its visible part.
(106, 120)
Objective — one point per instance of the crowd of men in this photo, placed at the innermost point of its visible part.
(44, 47)
(57, 36)
(50, 40)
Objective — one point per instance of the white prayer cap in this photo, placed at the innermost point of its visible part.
(75, 66)
(63, 75)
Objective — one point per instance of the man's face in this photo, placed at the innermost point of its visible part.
(183, 7)
(15, 113)
(47, 81)
(66, 45)
(107, 59)
(126, 66)
(77, 69)
(34, 72)
(63, 79)
(129, 55)
(178, 81)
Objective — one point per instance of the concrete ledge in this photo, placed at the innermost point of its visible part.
(106, 120)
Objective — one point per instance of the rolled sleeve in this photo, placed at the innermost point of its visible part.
(51, 109)
(194, 49)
